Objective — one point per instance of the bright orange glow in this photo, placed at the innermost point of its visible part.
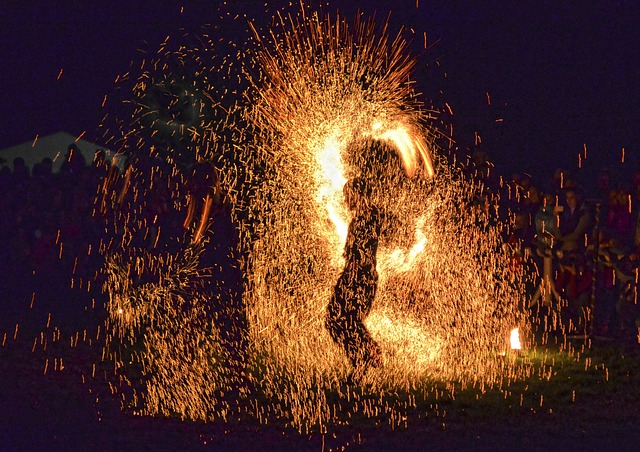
(441, 307)
(411, 146)
(515, 339)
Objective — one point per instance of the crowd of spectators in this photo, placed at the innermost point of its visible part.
(48, 233)
(590, 236)
(54, 226)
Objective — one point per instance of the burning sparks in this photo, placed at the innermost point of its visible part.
(327, 101)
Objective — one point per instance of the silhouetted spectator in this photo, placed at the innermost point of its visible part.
(575, 222)
(74, 162)
(619, 221)
(574, 282)
(547, 232)
(627, 307)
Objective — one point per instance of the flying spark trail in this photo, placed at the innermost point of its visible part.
(309, 104)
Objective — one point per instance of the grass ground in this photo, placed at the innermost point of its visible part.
(52, 398)
(588, 399)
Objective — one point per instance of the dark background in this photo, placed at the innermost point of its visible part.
(559, 75)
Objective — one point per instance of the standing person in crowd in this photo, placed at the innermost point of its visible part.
(531, 201)
(562, 180)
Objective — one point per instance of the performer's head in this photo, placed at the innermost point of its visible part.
(357, 194)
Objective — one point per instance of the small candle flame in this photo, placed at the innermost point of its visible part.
(515, 339)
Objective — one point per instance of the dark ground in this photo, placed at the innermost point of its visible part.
(57, 411)
(53, 413)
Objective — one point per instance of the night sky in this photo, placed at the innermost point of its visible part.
(559, 75)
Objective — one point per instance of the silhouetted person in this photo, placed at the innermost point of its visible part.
(356, 287)
(224, 284)
(74, 162)
(575, 222)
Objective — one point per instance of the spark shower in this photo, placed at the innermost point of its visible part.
(227, 230)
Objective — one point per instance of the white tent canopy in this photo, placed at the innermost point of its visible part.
(54, 147)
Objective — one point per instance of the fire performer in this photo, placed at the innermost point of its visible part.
(355, 290)
(369, 194)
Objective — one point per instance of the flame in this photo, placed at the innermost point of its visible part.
(409, 144)
(330, 178)
(515, 339)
